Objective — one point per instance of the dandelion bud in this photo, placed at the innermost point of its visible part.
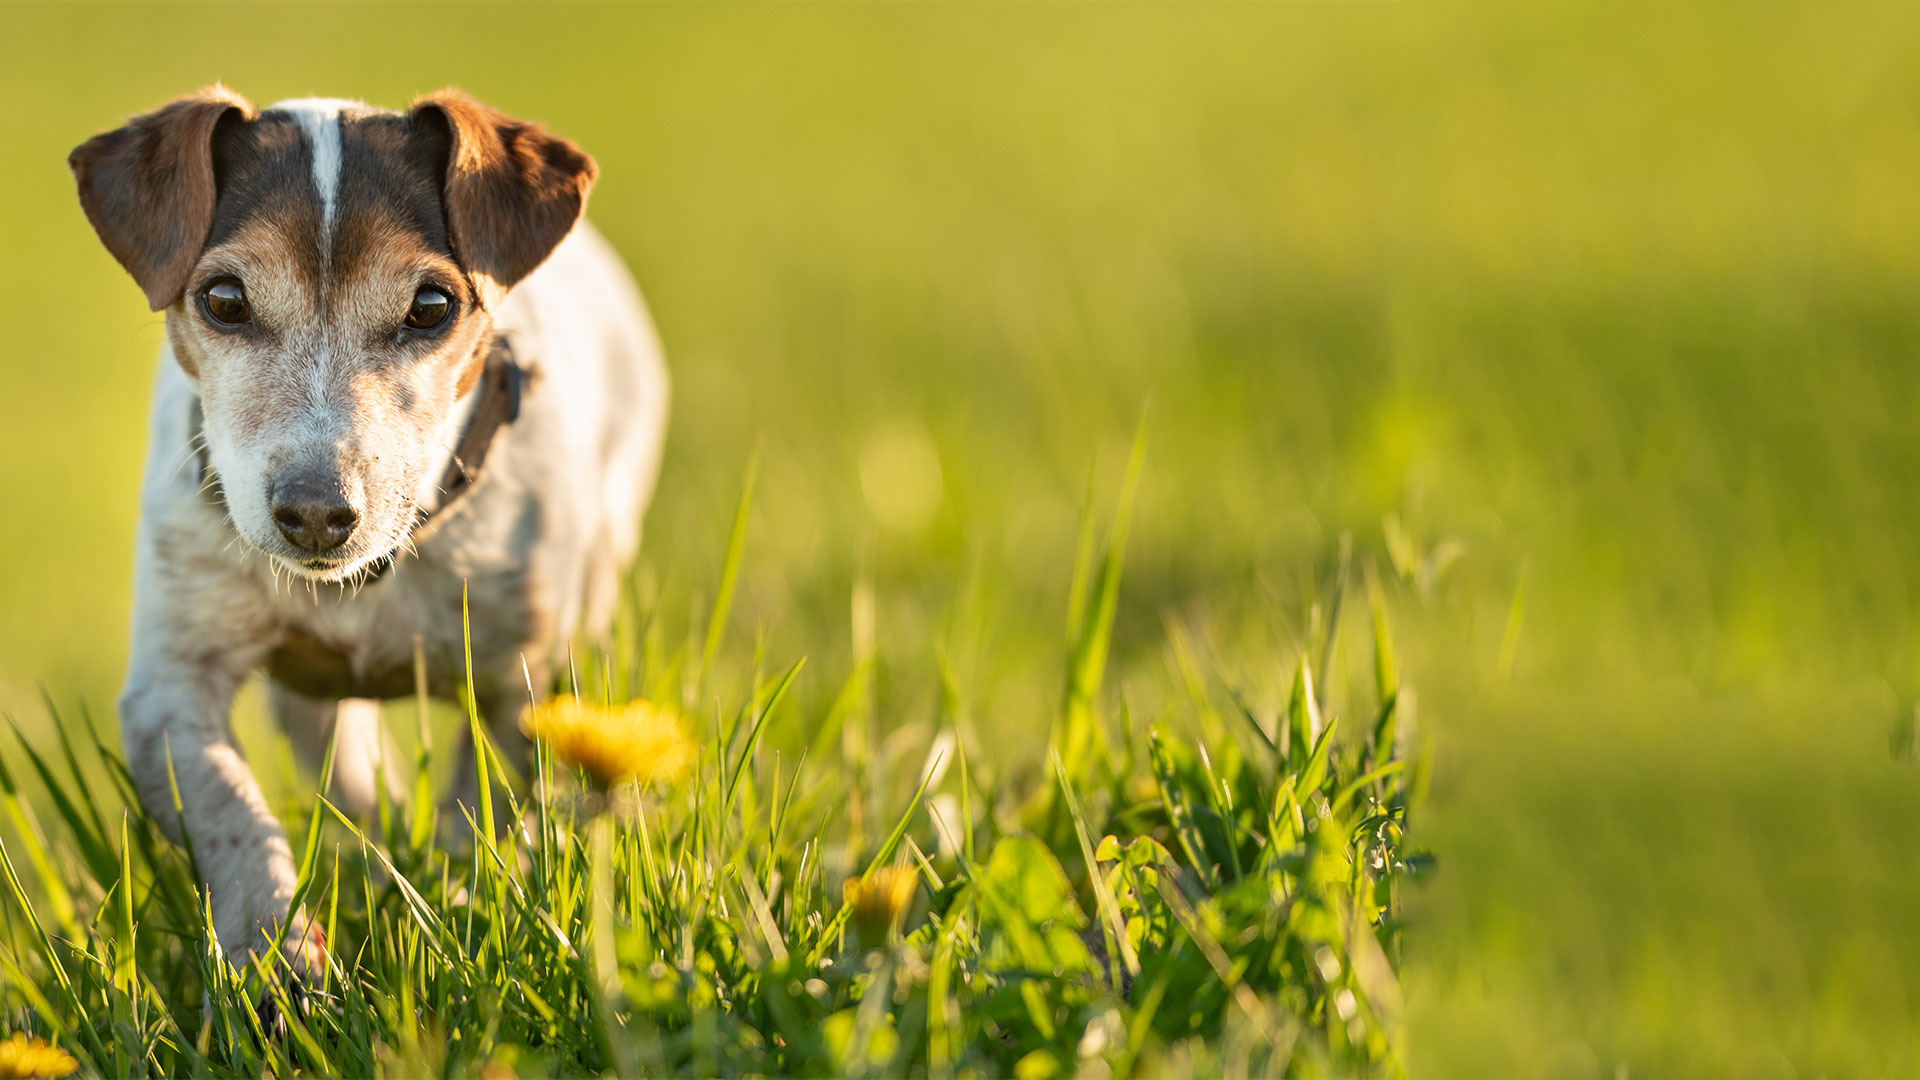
(879, 901)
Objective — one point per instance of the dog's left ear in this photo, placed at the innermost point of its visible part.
(513, 189)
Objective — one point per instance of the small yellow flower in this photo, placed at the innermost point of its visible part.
(880, 901)
(23, 1058)
(636, 741)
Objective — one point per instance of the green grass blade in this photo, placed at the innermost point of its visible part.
(1303, 712)
(44, 946)
(420, 829)
(1314, 772)
(1346, 794)
(80, 783)
(1516, 617)
(754, 733)
(52, 886)
(124, 975)
(1115, 927)
(966, 799)
(445, 944)
(1173, 800)
(1077, 731)
(1244, 710)
(729, 575)
(1330, 637)
(1386, 666)
(29, 989)
(476, 729)
(1082, 565)
(93, 848)
(1217, 794)
(310, 851)
(879, 859)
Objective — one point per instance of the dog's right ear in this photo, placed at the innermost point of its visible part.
(513, 190)
(148, 188)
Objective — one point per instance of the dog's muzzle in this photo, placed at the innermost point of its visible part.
(317, 514)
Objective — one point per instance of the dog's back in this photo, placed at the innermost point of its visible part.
(596, 413)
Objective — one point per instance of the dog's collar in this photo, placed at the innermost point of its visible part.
(502, 380)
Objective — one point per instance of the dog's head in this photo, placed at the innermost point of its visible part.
(329, 273)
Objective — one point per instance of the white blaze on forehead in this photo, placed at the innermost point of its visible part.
(319, 120)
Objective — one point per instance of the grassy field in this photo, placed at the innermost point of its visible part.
(1590, 331)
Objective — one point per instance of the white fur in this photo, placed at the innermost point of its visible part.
(209, 606)
(319, 120)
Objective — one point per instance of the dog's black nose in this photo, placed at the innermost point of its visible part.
(313, 515)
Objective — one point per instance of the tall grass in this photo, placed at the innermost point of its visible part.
(1209, 891)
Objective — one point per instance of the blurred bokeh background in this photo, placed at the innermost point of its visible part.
(1597, 323)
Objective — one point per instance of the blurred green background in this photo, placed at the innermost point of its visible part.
(1603, 317)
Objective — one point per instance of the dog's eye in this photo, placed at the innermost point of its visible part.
(225, 302)
(430, 307)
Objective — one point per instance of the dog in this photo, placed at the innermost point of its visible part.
(402, 377)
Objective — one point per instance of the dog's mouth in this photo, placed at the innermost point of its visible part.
(335, 569)
(356, 562)
(319, 566)
(315, 567)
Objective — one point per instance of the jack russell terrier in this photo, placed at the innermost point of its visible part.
(399, 367)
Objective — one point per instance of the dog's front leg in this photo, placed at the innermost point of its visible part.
(175, 710)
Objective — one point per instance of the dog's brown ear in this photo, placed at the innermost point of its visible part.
(148, 188)
(513, 189)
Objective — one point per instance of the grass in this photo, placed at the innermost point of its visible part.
(1212, 891)
(1591, 328)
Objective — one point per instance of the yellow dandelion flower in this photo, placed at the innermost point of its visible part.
(880, 901)
(24, 1058)
(636, 741)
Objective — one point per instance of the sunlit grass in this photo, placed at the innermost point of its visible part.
(1592, 326)
(1209, 891)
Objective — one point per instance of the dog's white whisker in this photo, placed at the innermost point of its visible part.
(186, 456)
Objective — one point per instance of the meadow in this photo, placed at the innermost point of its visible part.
(1576, 344)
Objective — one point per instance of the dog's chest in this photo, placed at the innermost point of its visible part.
(364, 645)
(348, 646)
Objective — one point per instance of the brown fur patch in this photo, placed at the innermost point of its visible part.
(307, 665)
(513, 189)
(470, 371)
(177, 331)
(148, 188)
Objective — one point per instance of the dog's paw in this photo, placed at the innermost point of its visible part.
(305, 948)
(299, 996)
(304, 953)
